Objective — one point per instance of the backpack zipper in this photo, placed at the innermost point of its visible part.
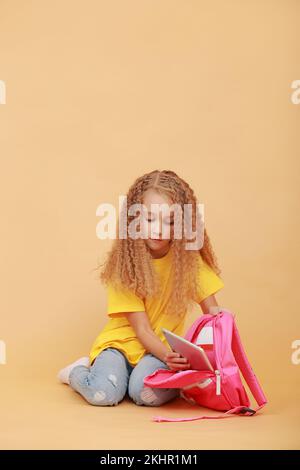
(217, 371)
(218, 382)
(218, 364)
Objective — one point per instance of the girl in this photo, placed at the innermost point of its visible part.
(151, 283)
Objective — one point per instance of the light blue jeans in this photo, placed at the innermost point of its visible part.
(111, 376)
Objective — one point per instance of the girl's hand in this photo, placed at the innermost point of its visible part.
(176, 362)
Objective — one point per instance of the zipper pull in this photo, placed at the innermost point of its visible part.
(218, 382)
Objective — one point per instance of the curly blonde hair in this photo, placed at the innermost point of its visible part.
(128, 263)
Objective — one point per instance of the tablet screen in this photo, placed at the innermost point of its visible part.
(195, 354)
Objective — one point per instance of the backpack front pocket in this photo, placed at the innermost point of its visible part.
(203, 393)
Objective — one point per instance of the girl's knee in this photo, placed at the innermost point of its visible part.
(105, 392)
(103, 398)
(149, 397)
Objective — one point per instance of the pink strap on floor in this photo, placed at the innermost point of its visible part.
(234, 412)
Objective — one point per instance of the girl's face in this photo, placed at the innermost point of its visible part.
(157, 223)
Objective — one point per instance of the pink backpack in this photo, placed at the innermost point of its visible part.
(222, 389)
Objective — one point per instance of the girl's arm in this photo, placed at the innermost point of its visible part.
(151, 342)
(209, 305)
(143, 330)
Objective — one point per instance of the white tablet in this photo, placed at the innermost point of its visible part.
(196, 355)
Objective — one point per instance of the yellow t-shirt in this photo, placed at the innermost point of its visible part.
(119, 334)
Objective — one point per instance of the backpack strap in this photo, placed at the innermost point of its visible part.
(238, 411)
(245, 367)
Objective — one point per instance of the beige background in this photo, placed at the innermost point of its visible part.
(99, 93)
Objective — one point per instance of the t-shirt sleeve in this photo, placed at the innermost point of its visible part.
(208, 281)
(120, 299)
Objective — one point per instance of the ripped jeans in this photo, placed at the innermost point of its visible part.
(111, 376)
